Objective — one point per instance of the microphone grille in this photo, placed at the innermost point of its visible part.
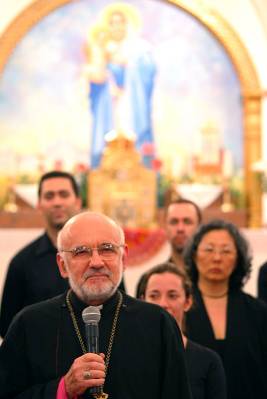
(91, 314)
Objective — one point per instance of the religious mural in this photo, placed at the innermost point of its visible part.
(92, 66)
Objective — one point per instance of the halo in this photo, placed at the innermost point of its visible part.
(131, 14)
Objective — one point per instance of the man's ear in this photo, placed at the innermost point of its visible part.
(61, 266)
(124, 256)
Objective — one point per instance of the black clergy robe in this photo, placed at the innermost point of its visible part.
(244, 353)
(147, 359)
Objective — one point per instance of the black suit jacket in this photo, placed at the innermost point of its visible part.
(32, 276)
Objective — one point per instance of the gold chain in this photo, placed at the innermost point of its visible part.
(74, 321)
(113, 328)
(215, 296)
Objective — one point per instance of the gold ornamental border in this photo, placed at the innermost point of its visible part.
(218, 26)
(251, 98)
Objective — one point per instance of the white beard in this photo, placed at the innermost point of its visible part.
(94, 292)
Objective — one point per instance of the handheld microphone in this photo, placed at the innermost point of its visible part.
(91, 317)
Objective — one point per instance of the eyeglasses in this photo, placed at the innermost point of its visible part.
(210, 250)
(106, 251)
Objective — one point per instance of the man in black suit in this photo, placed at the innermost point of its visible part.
(33, 275)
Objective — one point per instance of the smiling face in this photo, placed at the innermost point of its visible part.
(117, 26)
(93, 277)
(58, 201)
(167, 290)
(216, 257)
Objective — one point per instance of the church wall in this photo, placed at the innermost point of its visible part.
(244, 17)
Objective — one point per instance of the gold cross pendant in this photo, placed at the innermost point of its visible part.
(102, 395)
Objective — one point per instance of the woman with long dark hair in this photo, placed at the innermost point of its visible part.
(224, 318)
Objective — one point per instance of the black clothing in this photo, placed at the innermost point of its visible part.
(205, 371)
(220, 347)
(262, 282)
(147, 358)
(32, 276)
(245, 346)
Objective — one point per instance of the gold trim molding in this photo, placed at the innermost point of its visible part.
(224, 33)
(251, 97)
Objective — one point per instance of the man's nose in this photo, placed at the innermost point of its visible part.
(57, 200)
(180, 226)
(95, 258)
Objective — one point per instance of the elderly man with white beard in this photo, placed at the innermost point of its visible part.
(44, 354)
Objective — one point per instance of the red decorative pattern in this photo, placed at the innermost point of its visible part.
(143, 244)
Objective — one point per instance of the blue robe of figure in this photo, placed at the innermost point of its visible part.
(136, 80)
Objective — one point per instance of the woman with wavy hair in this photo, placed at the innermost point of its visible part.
(224, 318)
